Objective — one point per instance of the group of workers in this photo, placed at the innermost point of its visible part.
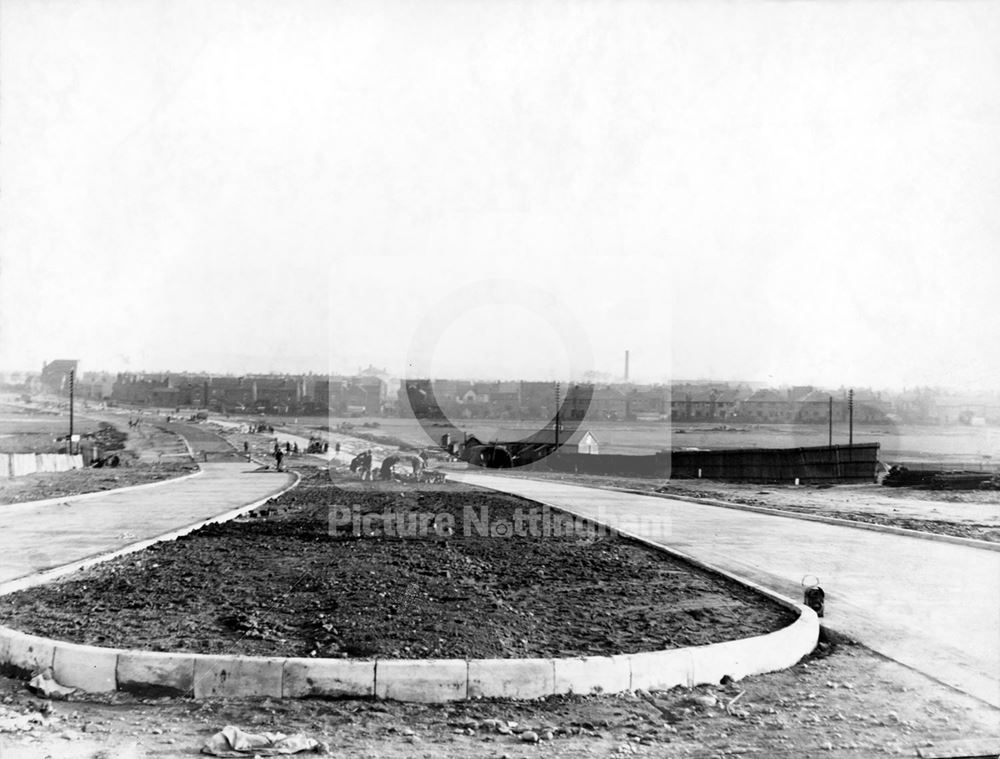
(315, 446)
(362, 465)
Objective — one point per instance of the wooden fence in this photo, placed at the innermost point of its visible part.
(21, 464)
(838, 463)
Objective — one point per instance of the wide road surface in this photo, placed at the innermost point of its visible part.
(39, 537)
(930, 605)
(205, 444)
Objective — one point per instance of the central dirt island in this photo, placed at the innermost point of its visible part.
(342, 569)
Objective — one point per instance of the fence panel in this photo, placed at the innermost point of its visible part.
(22, 464)
(839, 463)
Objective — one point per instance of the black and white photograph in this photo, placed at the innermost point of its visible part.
(499, 379)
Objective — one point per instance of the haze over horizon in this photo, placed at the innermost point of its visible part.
(779, 193)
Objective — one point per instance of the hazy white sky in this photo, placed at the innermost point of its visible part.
(793, 192)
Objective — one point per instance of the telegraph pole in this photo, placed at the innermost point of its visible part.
(830, 420)
(557, 414)
(850, 416)
(72, 372)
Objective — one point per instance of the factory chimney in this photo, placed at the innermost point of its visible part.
(626, 366)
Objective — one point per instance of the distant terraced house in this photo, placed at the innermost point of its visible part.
(703, 404)
(650, 400)
(767, 405)
(585, 401)
(976, 410)
(815, 407)
(95, 386)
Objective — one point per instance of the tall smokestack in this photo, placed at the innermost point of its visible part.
(626, 366)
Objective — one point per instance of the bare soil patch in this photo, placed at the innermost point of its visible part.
(280, 583)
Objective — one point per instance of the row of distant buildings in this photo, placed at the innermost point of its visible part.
(805, 403)
(372, 392)
(364, 394)
(679, 402)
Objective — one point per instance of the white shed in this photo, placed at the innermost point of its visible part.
(587, 443)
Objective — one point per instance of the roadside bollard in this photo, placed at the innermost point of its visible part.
(814, 596)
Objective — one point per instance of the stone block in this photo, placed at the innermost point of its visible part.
(428, 681)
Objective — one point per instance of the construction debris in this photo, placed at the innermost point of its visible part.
(233, 742)
(45, 686)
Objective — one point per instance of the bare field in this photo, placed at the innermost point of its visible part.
(150, 455)
(36, 432)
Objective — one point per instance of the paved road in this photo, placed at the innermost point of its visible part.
(35, 538)
(932, 606)
(205, 444)
(349, 446)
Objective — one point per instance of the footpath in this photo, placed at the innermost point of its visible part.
(46, 535)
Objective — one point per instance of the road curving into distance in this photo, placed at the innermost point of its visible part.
(929, 605)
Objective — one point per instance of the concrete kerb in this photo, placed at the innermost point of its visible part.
(153, 673)
(422, 680)
(24, 654)
(222, 676)
(923, 535)
(88, 668)
(512, 678)
(93, 669)
(593, 674)
(329, 678)
(97, 670)
(187, 445)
